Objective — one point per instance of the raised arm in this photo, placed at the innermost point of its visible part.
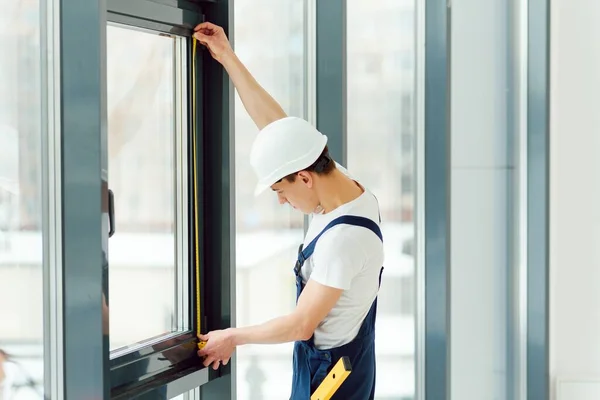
(262, 108)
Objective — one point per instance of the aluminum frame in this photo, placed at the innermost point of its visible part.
(310, 56)
(51, 190)
(420, 297)
(82, 84)
(436, 200)
(182, 235)
(310, 71)
(538, 146)
(331, 76)
(516, 381)
(177, 17)
(149, 371)
(217, 173)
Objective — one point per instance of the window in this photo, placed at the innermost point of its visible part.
(407, 293)
(267, 234)
(146, 145)
(21, 203)
(385, 133)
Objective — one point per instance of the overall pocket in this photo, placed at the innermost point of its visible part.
(320, 364)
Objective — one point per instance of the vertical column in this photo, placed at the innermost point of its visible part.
(537, 199)
(218, 215)
(82, 34)
(516, 327)
(331, 75)
(480, 168)
(434, 200)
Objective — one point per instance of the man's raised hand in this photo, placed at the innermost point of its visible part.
(214, 39)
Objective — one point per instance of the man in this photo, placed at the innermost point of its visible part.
(339, 265)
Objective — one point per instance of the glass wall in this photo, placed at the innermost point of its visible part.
(269, 39)
(21, 202)
(144, 167)
(381, 127)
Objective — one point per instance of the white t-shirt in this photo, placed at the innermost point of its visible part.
(346, 257)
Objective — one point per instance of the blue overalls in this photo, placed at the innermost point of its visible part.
(312, 365)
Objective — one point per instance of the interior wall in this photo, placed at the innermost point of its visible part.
(479, 200)
(575, 199)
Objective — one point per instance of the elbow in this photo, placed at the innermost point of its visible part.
(305, 334)
(303, 329)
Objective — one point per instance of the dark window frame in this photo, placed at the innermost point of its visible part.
(169, 365)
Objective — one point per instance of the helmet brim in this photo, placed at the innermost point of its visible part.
(260, 188)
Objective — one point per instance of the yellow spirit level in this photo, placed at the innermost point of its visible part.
(333, 380)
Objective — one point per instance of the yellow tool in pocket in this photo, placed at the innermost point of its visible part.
(333, 380)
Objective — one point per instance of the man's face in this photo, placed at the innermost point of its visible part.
(299, 194)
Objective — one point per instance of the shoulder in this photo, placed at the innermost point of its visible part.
(352, 243)
(341, 239)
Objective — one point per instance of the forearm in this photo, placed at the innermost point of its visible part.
(262, 107)
(279, 330)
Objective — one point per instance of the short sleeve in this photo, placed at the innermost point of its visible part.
(337, 259)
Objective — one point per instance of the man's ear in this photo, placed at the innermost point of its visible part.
(306, 178)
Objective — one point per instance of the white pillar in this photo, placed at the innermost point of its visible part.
(479, 199)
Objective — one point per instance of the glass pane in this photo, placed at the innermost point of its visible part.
(268, 234)
(142, 171)
(21, 242)
(381, 127)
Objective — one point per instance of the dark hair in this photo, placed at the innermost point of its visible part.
(323, 165)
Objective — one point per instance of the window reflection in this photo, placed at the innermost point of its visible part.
(267, 234)
(142, 168)
(381, 127)
(21, 231)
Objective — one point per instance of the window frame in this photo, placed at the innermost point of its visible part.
(75, 110)
(146, 370)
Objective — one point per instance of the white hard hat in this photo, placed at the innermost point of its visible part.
(284, 147)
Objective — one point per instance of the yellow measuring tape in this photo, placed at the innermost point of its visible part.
(201, 343)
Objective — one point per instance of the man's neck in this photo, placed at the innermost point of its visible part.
(336, 189)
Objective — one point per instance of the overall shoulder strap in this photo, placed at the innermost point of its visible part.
(344, 219)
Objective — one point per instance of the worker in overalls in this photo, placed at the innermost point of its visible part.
(339, 265)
